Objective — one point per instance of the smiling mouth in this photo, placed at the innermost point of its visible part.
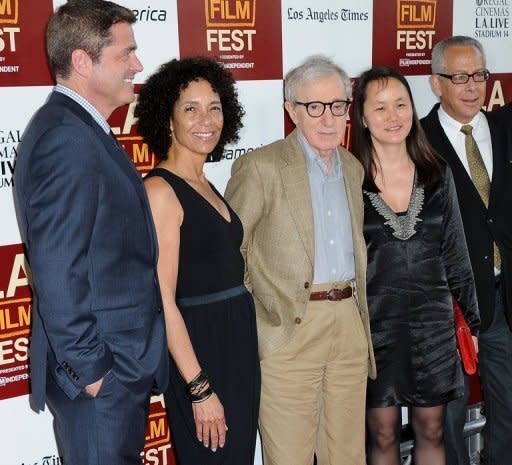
(204, 135)
(471, 101)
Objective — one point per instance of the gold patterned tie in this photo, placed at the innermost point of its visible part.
(479, 175)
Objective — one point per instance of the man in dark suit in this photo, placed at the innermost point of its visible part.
(98, 341)
(479, 152)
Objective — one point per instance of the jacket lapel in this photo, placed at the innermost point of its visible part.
(353, 190)
(498, 141)
(295, 180)
(118, 155)
(445, 149)
(121, 157)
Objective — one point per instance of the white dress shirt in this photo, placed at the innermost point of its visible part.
(481, 134)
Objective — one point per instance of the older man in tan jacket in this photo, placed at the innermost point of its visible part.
(300, 202)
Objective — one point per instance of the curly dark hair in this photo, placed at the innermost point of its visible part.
(161, 91)
(429, 165)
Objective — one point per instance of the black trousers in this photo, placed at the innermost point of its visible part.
(495, 356)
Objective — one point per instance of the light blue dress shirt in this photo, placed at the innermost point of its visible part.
(334, 249)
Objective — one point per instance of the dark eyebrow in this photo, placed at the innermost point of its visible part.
(213, 102)
(380, 102)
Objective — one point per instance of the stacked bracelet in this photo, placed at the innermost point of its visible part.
(199, 388)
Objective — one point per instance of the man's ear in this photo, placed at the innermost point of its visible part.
(435, 83)
(81, 62)
(292, 112)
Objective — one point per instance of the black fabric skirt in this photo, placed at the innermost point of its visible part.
(224, 337)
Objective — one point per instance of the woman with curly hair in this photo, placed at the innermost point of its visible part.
(187, 111)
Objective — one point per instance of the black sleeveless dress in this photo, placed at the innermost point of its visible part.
(222, 330)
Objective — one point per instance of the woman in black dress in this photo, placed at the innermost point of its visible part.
(187, 112)
(417, 259)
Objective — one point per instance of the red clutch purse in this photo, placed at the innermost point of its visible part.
(464, 341)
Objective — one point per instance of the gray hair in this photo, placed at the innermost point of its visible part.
(312, 69)
(438, 61)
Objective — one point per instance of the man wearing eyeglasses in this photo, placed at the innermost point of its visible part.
(300, 202)
(478, 152)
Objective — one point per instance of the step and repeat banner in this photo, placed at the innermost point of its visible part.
(259, 41)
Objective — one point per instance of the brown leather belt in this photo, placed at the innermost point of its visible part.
(332, 294)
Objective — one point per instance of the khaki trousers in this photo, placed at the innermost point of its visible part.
(314, 389)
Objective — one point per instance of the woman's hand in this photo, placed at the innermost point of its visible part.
(210, 422)
(475, 343)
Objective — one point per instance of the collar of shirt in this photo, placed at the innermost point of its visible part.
(98, 117)
(453, 126)
(314, 160)
(481, 134)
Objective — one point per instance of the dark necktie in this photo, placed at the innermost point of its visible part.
(479, 175)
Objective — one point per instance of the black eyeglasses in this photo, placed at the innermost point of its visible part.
(461, 78)
(317, 109)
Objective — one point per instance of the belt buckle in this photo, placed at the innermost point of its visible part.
(332, 293)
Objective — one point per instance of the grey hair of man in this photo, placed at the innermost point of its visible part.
(314, 68)
(438, 61)
(82, 24)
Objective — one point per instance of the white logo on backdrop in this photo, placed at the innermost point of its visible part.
(150, 15)
(492, 19)
(9, 140)
(326, 14)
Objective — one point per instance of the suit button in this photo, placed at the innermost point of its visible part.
(486, 258)
(306, 285)
(298, 320)
(490, 220)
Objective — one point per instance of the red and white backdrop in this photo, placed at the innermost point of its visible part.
(259, 41)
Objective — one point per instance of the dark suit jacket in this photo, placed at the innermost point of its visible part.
(481, 225)
(84, 218)
(503, 115)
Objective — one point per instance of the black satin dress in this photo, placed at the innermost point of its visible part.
(222, 332)
(416, 261)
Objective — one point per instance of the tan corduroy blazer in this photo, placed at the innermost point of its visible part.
(269, 190)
